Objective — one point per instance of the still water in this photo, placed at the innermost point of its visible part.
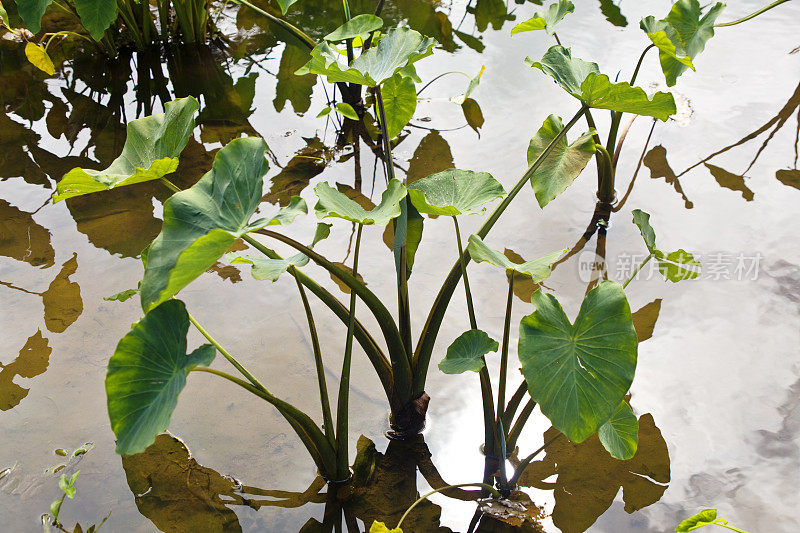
(718, 381)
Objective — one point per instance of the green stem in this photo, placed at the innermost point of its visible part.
(636, 271)
(323, 387)
(348, 42)
(342, 463)
(606, 191)
(513, 403)
(315, 442)
(473, 323)
(291, 28)
(616, 116)
(422, 356)
(399, 360)
(431, 493)
(752, 15)
(525, 462)
(522, 419)
(171, 186)
(501, 387)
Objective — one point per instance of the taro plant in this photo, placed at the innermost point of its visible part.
(577, 371)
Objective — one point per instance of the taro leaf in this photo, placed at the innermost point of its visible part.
(455, 192)
(285, 5)
(358, 26)
(398, 49)
(31, 12)
(681, 36)
(613, 13)
(537, 269)
(147, 373)
(546, 20)
(585, 480)
(62, 300)
(122, 296)
(346, 110)
(202, 222)
(380, 527)
(38, 57)
(562, 165)
(584, 81)
(620, 434)
(473, 84)
(673, 266)
(333, 203)
(399, 101)
(467, 351)
(3, 15)
(473, 114)
(96, 15)
(265, 268)
(579, 373)
(150, 152)
(703, 518)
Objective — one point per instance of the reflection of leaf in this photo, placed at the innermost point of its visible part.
(431, 156)
(730, 181)
(62, 299)
(524, 287)
(589, 478)
(613, 13)
(21, 238)
(295, 89)
(32, 360)
(178, 494)
(473, 114)
(308, 162)
(341, 284)
(494, 12)
(790, 178)
(644, 320)
(656, 161)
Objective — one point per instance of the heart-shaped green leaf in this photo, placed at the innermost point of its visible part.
(265, 268)
(285, 5)
(471, 86)
(675, 266)
(703, 518)
(584, 81)
(147, 373)
(620, 434)
(333, 203)
(3, 15)
(150, 152)
(562, 165)
(467, 351)
(455, 192)
(579, 373)
(399, 101)
(358, 26)
(398, 49)
(96, 15)
(537, 269)
(31, 12)
(202, 222)
(546, 20)
(681, 36)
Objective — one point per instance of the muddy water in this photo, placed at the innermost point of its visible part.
(717, 383)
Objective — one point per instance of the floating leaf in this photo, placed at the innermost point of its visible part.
(333, 203)
(620, 433)
(147, 373)
(579, 373)
(562, 165)
(584, 81)
(537, 269)
(31, 12)
(681, 36)
(96, 15)
(399, 48)
(467, 351)
(202, 222)
(672, 265)
(455, 192)
(150, 152)
(399, 101)
(38, 57)
(546, 20)
(358, 26)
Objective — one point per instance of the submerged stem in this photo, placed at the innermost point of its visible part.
(425, 496)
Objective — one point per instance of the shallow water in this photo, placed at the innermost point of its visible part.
(717, 384)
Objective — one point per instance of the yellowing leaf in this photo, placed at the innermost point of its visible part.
(38, 57)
